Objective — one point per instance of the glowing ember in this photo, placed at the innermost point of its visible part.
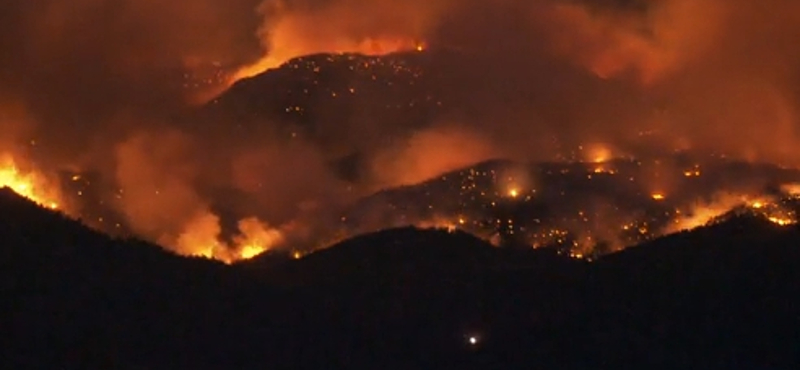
(602, 169)
(440, 223)
(27, 184)
(658, 196)
(513, 193)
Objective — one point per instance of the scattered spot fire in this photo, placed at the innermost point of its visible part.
(580, 211)
(567, 206)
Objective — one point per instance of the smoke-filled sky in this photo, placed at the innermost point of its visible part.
(97, 84)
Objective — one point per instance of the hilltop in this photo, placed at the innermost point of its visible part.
(307, 93)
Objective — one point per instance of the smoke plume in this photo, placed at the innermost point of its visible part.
(103, 81)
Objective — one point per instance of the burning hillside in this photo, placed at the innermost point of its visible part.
(373, 47)
(362, 97)
(28, 183)
(580, 208)
(558, 130)
(587, 201)
(83, 197)
(586, 208)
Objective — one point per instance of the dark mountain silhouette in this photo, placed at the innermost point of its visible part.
(723, 296)
(408, 253)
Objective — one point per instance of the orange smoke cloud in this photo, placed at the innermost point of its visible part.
(365, 27)
(653, 45)
(718, 75)
(155, 174)
(255, 237)
(201, 236)
(160, 198)
(284, 180)
(429, 153)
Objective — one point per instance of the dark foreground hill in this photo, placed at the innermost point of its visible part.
(722, 297)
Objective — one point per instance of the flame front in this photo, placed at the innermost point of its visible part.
(28, 184)
(201, 238)
(255, 238)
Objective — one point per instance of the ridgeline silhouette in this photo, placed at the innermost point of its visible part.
(722, 296)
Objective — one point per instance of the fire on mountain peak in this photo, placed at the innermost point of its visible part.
(626, 120)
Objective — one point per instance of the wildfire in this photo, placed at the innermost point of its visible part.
(773, 212)
(781, 221)
(202, 239)
(28, 184)
(249, 251)
(603, 170)
(255, 238)
(596, 153)
(791, 189)
(440, 223)
(702, 214)
(284, 47)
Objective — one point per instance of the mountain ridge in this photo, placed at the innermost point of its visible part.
(391, 298)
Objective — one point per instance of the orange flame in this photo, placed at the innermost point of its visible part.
(29, 184)
(201, 238)
(255, 238)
